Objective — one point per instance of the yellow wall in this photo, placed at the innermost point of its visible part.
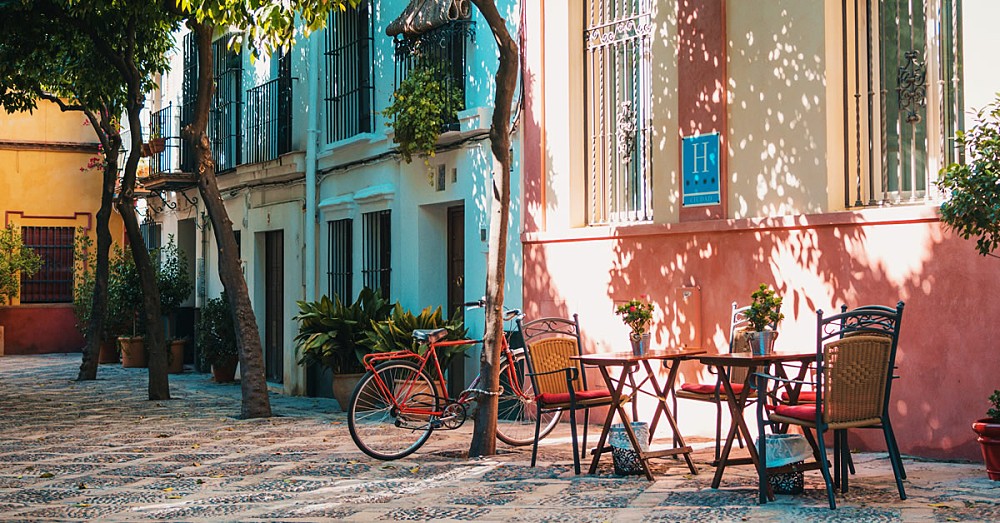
(41, 182)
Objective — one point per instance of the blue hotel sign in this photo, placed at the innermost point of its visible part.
(700, 170)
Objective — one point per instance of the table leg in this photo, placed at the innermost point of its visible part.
(616, 394)
(737, 403)
(663, 409)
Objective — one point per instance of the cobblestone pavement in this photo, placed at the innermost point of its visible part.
(99, 451)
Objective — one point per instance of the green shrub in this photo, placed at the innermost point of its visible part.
(396, 333)
(332, 334)
(216, 332)
(15, 260)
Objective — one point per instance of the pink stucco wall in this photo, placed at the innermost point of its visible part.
(947, 360)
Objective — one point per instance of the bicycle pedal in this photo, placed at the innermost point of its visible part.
(436, 423)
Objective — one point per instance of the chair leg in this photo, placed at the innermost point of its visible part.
(893, 446)
(836, 459)
(538, 430)
(897, 462)
(718, 432)
(576, 448)
(845, 457)
(586, 423)
(824, 467)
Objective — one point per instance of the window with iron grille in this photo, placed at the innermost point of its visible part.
(340, 260)
(227, 107)
(906, 100)
(150, 232)
(445, 47)
(189, 97)
(377, 250)
(269, 114)
(53, 283)
(349, 60)
(617, 64)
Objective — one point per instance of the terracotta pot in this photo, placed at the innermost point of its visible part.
(108, 352)
(225, 372)
(133, 352)
(343, 388)
(988, 431)
(175, 361)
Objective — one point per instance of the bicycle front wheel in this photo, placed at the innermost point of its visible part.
(380, 414)
(517, 410)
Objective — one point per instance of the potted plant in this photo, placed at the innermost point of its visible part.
(175, 285)
(217, 339)
(988, 432)
(763, 317)
(421, 106)
(124, 302)
(637, 313)
(83, 294)
(331, 336)
(396, 333)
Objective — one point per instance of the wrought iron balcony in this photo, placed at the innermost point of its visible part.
(170, 167)
(269, 120)
(448, 46)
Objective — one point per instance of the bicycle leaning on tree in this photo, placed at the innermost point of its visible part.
(402, 397)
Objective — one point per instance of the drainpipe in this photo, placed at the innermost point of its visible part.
(312, 137)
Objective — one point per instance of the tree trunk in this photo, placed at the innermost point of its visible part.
(483, 437)
(256, 403)
(159, 387)
(111, 141)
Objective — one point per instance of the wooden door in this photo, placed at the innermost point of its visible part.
(274, 310)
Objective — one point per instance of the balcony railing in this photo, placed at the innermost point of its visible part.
(447, 46)
(173, 167)
(269, 120)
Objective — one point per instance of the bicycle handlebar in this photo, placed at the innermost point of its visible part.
(508, 314)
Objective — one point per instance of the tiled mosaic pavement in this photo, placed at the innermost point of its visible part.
(99, 451)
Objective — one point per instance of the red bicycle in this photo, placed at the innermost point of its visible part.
(402, 397)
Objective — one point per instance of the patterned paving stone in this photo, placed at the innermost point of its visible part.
(702, 515)
(434, 513)
(77, 512)
(175, 513)
(325, 512)
(148, 470)
(344, 469)
(286, 485)
(30, 495)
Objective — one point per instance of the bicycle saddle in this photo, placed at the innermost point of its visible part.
(429, 335)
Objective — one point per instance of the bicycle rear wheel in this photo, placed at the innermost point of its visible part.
(517, 409)
(376, 424)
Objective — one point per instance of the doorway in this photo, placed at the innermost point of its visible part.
(456, 287)
(274, 310)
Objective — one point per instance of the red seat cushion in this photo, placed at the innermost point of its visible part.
(802, 412)
(563, 397)
(705, 388)
(806, 396)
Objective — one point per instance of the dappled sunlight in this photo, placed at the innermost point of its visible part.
(776, 86)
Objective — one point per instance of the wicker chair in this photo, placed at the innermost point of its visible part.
(560, 382)
(855, 358)
(714, 392)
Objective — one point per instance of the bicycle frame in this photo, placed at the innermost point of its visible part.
(400, 399)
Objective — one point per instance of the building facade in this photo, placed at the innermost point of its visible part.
(320, 200)
(51, 193)
(691, 150)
